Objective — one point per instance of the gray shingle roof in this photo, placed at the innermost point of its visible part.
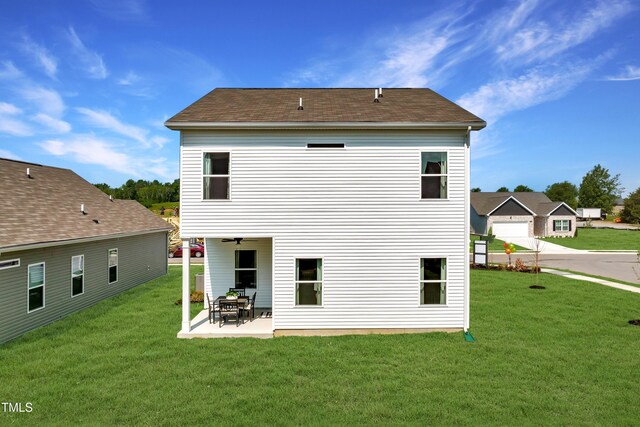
(485, 202)
(46, 208)
(226, 105)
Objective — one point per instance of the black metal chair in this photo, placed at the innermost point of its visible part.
(213, 308)
(228, 308)
(240, 291)
(250, 307)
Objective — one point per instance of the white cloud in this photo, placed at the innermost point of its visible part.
(630, 73)
(493, 100)
(541, 40)
(41, 55)
(91, 150)
(46, 100)
(105, 120)
(10, 123)
(52, 124)
(129, 79)
(90, 60)
(6, 154)
(8, 71)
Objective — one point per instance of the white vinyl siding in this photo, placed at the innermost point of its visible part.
(357, 207)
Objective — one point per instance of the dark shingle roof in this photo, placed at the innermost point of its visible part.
(417, 106)
(485, 202)
(46, 207)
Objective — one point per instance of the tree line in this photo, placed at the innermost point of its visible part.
(145, 192)
(598, 189)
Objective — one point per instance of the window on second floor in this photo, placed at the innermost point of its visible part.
(434, 175)
(215, 176)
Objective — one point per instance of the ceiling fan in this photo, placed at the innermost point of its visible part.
(238, 240)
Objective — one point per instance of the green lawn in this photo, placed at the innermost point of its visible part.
(495, 246)
(561, 356)
(601, 239)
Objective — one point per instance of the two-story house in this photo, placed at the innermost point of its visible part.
(344, 210)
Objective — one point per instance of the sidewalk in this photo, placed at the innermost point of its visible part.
(592, 279)
(545, 247)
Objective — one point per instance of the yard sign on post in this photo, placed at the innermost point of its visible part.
(480, 252)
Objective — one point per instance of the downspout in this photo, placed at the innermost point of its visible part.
(467, 229)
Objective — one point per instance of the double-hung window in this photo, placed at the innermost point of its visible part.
(35, 286)
(433, 281)
(246, 269)
(561, 225)
(77, 275)
(215, 176)
(434, 175)
(113, 265)
(309, 281)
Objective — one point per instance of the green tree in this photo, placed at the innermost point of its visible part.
(522, 189)
(502, 190)
(476, 190)
(563, 192)
(599, 189)
(631, 211)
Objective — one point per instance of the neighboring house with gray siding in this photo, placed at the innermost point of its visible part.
(344, 212)
(523, 214)
(65, 245)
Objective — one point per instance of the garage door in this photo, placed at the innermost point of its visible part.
(511, 229)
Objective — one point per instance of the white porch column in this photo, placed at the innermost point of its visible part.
(186, 288)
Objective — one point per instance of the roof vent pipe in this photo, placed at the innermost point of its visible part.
(375, 99)
(300, 107)
(82, 209)
(110, 198)
(380, 92)
(28, 173)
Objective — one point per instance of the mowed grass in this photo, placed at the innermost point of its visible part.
(601, 239)
(564, 355)
(495, 246)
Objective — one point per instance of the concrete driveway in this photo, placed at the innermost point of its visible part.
(544, 247)
(620, 266)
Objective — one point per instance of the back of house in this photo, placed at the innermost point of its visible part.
(343, 210)
(65, 245)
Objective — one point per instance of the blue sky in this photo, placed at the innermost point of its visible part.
(87, 85)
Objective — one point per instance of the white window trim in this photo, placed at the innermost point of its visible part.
(72, 276)
(562, 224)
(10, 261)
(245, 269)
(203, 176)
(445, 281)
(444, 150)
(117, 265)
(296, 281)
(44, 282)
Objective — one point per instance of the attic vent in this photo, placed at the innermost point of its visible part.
(325, 145)
(97, 221)
(375, 99)
(300, 107)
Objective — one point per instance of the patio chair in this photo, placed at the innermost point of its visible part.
(228, 308)
(213, 308)
(250, 307)
(240, 291)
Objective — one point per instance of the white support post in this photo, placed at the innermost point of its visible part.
(186, 288)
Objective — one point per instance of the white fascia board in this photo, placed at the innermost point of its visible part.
(517, 201)
(558, 207)
(322, 125)
(74, 241)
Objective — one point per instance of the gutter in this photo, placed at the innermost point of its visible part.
(324, 125)
(40, 245)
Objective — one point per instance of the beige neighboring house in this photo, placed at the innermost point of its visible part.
(65, 245)
(525, 214)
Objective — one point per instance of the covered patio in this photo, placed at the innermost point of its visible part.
(260, 327)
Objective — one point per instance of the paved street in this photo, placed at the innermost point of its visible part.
(194, 260)
(616, 266)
